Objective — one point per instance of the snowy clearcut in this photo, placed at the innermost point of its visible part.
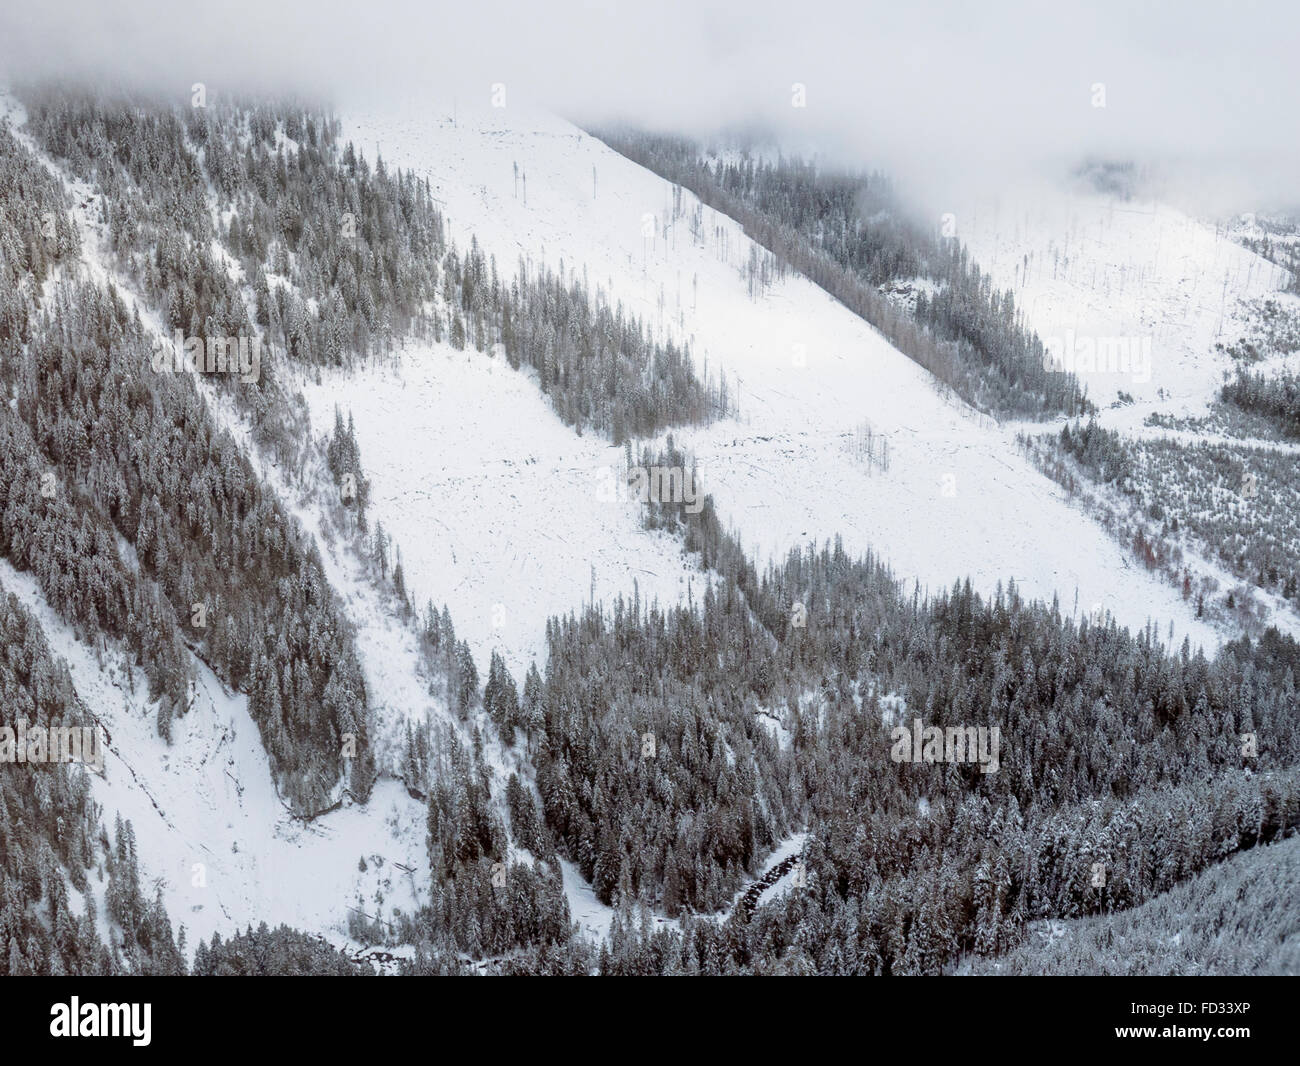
(1104, 269)
(958, 497)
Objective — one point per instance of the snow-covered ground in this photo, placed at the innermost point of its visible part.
(433, 421)
(1088, 267)
(1097, 276)
(592, 916)
(495, 504)
(788, 849)
(958, 498)
(500, 510)
(210, 829)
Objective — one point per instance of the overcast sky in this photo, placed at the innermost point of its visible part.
(950, 89)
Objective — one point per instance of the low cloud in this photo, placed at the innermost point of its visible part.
(935, 92)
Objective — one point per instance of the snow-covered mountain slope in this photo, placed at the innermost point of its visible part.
(1239, 917)
(212, 833)
(500, 510)
(1088, 267)
(958, 499)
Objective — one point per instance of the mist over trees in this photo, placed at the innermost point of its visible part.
(849, 234)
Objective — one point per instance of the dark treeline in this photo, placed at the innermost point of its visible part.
(1123, 765)
(1098, 450)
(484, 901)
(848, 234)
(1242, 918)
(73, 553)
(659, 779)
(203, 205)
(598, 364)
(43, 528)
(1276, 396)
(277, 952)
(36, 235)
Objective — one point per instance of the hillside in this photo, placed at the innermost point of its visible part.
(808, 376)
(388, 653)
(1237, 918)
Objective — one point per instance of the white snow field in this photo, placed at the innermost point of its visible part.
(958, 498)
(1087, 266)
(493, 501)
